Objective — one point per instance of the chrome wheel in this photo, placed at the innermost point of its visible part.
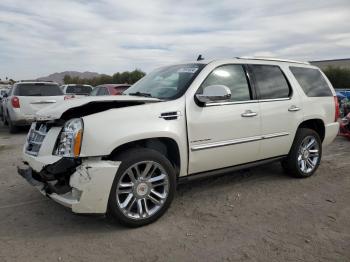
(142, 190)
(308, 154)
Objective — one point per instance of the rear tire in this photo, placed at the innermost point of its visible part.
(143, 187)
(305, 155)
(12, 128)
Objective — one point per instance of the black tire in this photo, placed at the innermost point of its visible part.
(5, 120)
(128, 159)
(291, 164)
(13, 129)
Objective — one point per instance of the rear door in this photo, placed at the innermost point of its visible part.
(36, 96)
(280, 109)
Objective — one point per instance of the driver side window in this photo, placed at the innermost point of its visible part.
(232, 76)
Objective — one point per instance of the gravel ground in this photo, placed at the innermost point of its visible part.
(258, 214)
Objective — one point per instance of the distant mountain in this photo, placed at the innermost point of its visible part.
(58, 77)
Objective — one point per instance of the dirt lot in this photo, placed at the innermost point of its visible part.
(254, 215)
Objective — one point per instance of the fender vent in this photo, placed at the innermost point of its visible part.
(170, 115)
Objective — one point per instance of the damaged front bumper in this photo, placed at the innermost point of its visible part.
(87, 187)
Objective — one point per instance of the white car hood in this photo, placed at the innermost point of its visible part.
(55, 111)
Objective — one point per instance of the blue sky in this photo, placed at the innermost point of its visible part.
(38, 38)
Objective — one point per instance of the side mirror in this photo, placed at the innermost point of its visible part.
(214, 93)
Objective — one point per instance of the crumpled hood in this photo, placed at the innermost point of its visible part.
(89, 105)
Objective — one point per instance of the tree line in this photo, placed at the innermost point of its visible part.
(339, 77)
(117, 78)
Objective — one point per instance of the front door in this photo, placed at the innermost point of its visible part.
(224, 134)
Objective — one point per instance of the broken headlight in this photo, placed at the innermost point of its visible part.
(70, 138)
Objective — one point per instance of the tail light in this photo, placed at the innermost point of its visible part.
(337, 110)
(69, 97)
(15, 102)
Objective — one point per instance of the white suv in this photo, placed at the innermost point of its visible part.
(26, 98)
(124, 155)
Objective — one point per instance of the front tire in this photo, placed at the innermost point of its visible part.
(143, 187)
(305, 155)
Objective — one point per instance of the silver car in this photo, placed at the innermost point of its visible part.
(25, 99)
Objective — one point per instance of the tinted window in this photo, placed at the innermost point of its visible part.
(94, 91)
(232, 76)
(270, 81)
(311, 81)
(38, 90)
(79, 90)
(117, 90)
(102, 92)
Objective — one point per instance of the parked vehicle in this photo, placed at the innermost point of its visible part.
(124, 155)
(75, 90)
(345, 126)
(3, 92)
(25, 99)
(109, 89)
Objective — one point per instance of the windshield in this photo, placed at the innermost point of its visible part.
(38, 89)
(168, 82)
(79, 90)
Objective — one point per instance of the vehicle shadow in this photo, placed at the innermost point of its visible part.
(21, 130)
(267, 172)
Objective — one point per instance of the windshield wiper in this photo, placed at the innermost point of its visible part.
(140, 94)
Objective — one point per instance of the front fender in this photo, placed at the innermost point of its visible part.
(106, 131)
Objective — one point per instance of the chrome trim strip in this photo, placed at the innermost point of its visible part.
(275, 99)
(232, 103)
(274, 135)
(236, 141)
(44, 102)
(225, 143)
(246, 102)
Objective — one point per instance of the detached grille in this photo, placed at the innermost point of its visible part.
(35, 138)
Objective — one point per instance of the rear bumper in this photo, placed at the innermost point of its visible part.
(20, 119)
(331, 131)
(88, 190)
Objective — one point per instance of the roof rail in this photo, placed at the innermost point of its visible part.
(273, 59)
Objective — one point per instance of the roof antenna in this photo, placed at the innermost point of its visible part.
(200, 58)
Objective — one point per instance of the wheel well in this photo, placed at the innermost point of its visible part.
(164, 145)
(315, 124)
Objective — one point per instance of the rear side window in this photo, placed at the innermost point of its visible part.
(79, 90)
(103, 91)
(311, 81)
(38, 90)
(232, 76)
(271, 82)
(94, 91)
(118, 90)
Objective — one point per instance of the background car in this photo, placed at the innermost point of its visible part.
(109, 89)
(76, 90)
(25, 99)
(2, 94)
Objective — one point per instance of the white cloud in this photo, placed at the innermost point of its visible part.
(42, 37)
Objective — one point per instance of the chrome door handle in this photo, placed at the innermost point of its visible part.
(293, 109)
(249, 113)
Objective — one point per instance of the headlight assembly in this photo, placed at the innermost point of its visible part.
(70, 138)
